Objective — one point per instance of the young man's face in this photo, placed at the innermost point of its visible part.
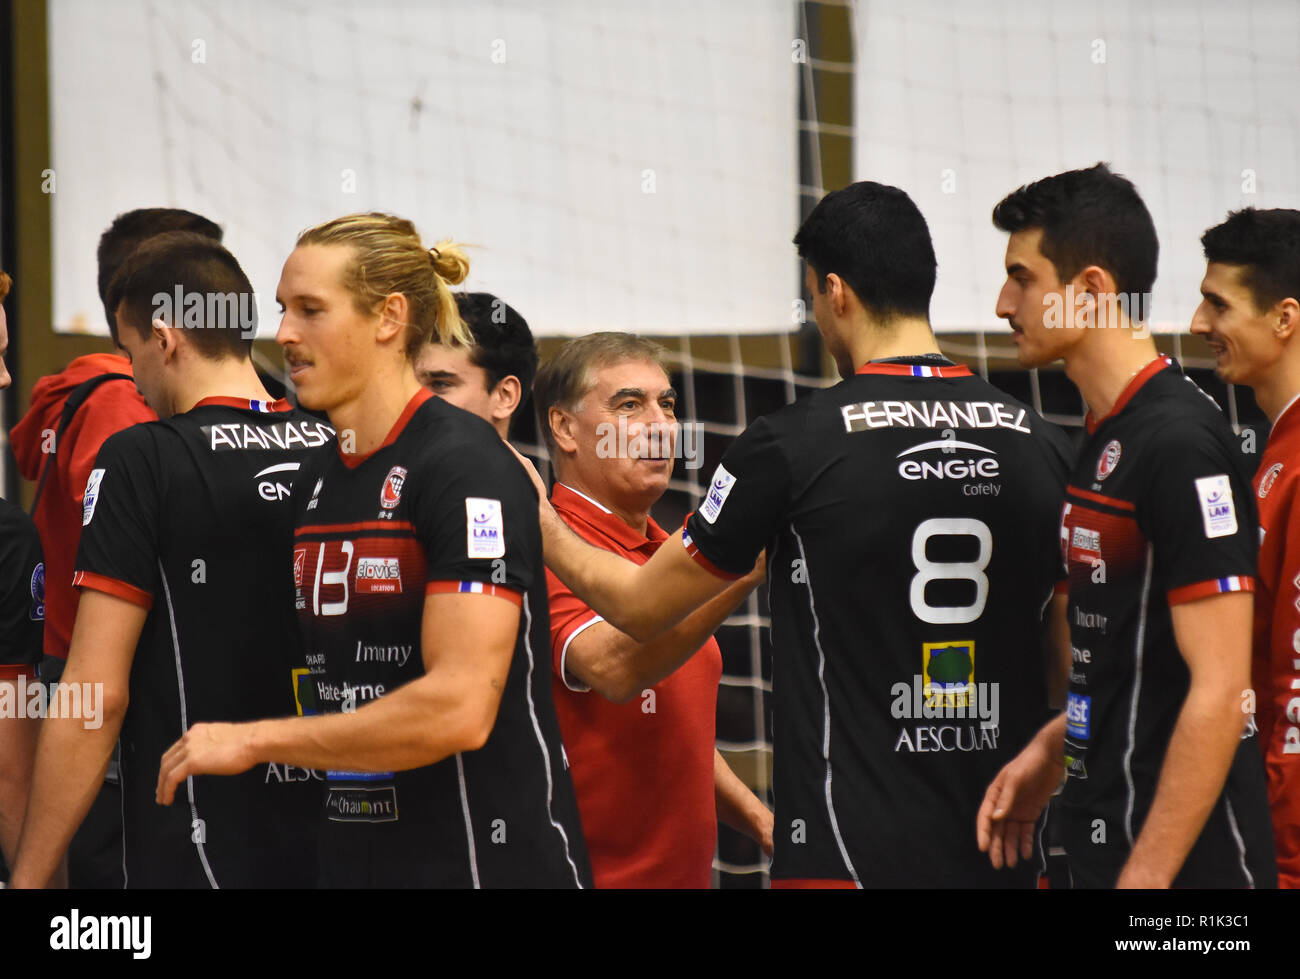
(450, 374)
(1240, 336)
(1032, 289)
(328, 344)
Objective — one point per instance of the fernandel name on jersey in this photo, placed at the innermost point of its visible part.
(867, 415)
(909, 516)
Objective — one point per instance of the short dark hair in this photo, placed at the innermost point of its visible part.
(565, 379)
(1267, 244)
(181, 265)
(503, 344)
(874, 238)
(1089, 217)
(133, 227)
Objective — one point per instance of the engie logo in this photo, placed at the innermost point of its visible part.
(484, 528)
(273, 489)
(1109, 459)
(391, 493)
(92, 495)
(719, 489)
(1217, 510)
(1078, 716)
(947, 468)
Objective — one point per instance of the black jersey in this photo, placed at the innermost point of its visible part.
(22, 594)
(441, 506)
(191, 518)
(910, 519)
(1158, 511)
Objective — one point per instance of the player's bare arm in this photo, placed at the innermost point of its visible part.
(1213, 635)
(1056, 643)
(17, 752)
(467, 643)
(1005, 823)
(738, 807)
(640, 600)
(618, 667)
(72, 757)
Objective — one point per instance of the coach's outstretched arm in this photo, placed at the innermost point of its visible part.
(641, 600)
(1213, 636)
(73, 753)
(618, 667)
(467, 642)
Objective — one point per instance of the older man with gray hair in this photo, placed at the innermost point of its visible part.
(637, 719)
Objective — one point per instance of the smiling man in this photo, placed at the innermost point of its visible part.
(1249, 315)
(1158, 536)
(491, 379)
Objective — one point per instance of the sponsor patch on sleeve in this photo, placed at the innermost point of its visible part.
(1217, 510)
(92, 495)
(719, 489)
(485, 528)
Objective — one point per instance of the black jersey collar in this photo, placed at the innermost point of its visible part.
(1140, 378)
(915, 370)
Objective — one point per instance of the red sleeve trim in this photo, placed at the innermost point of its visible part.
(111, 586)
(1118, 504)
(693, 550)
(12, 671)
(807, 883)
(1215, 586)
(473, 588)
(1062, 587)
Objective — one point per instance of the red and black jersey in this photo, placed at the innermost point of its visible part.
(22, 594)
(910, 519)
(1159, 511)
(1275, 673)
(192, 518)
(441, 506)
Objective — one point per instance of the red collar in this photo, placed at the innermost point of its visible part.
(573, 503)
(1130, 389)
(247, 404)
(916, 370)
(417, 399)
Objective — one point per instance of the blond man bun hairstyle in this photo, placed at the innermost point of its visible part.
(388, 257)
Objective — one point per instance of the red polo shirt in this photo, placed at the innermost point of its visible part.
(643, 771)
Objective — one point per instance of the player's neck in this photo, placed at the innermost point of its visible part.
(635, 517)
(1102, 364)
(230, 377)
(372, 414)
(907, 336)
(1278, 387)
